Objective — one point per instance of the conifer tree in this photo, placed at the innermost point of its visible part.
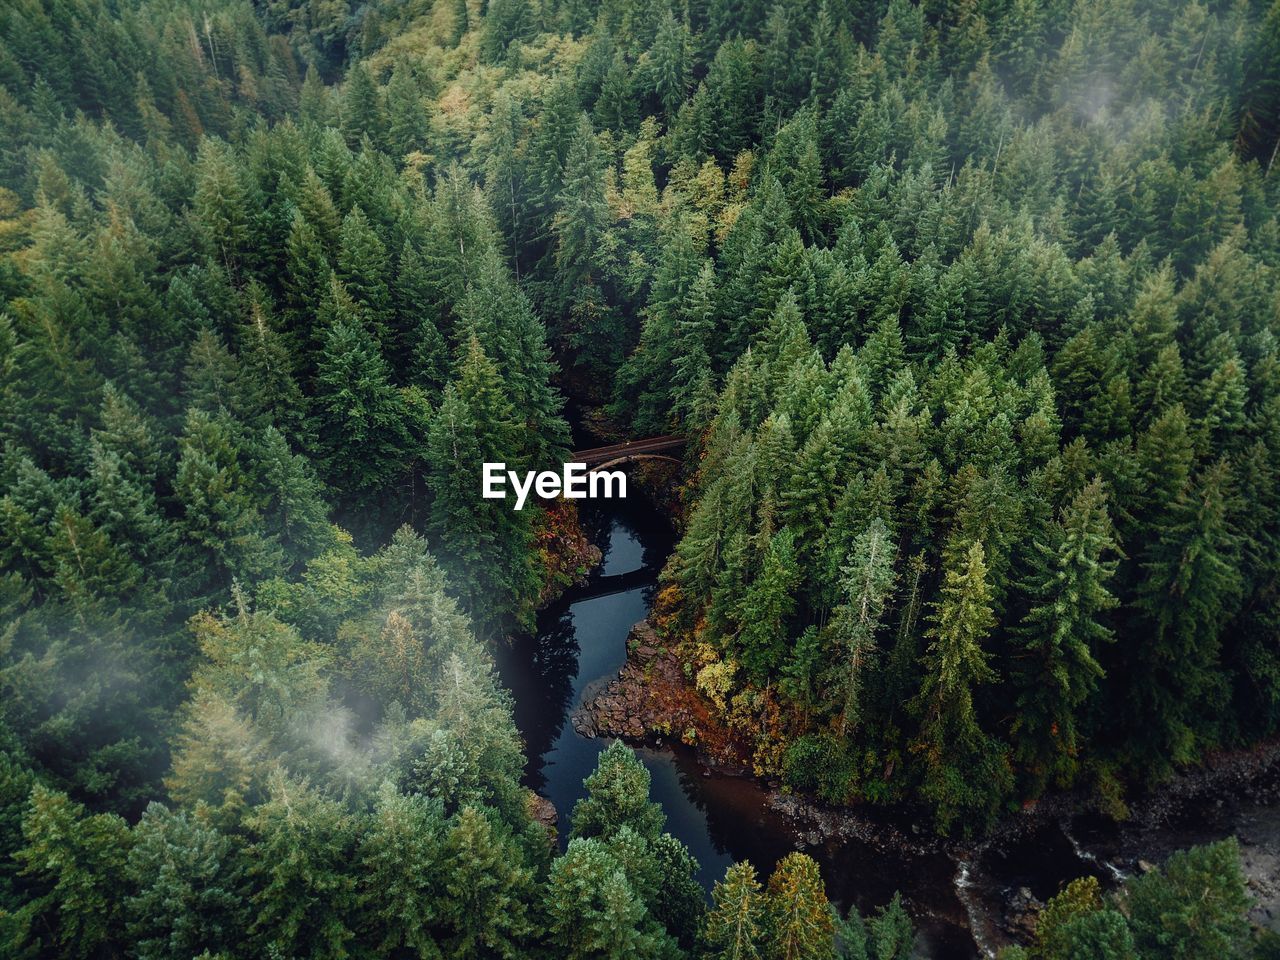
(189, 879)
(303, 895)
(800, 925)
(1193, 908)
(365, 440)
(476, 710)
(766, 607)
(407, 122)
(401, 874)
(680, 902)
(485, 544)
(592, 911)
(1062, 634)
(866, 582)
(417, 349)
(1192, 585)
(362, 111)
(75, 865)
(486, 891)
(735, 926)
(581, 254)
(955, 660)
(617, 796)
(956, 664)
(222, 518)
(670, 64)
(891, 935)
(223, 207)
(497, 314)
(362, 268)
(306, 279)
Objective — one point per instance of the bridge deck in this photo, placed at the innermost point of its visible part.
(630, 448)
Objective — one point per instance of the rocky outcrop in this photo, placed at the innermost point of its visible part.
(650, 701)
(543, 812)
(565, 553)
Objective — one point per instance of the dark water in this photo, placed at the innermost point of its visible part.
(581, 641)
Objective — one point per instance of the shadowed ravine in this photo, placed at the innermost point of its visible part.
(581, 641)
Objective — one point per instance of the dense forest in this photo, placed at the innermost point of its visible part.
(971, 314)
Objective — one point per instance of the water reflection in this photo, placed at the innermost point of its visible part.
(581, 640)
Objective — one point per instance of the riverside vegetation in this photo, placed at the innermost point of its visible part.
(969, 309)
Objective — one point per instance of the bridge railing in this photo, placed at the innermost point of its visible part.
(631, 448)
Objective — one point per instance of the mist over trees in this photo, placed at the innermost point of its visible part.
(969, 311)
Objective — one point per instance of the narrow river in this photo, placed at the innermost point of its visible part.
(581, 641)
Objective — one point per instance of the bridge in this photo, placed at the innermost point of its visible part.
(652, 448)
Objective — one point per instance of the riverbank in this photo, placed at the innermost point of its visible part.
(651, 702)
(565, 552)
(1003, 879)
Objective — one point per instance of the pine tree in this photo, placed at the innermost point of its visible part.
(692, 393)
(485, 541)
(306, 279)
(295, 512)
(648, 379)
(505, 22)
(891, 935)
(955, 748)
(74, 863)
(314, 201)
(474, 758)
(669, 64)
(259, 665)
(303, 893)
(210, 375)
(268, 392)
(126, 511)
(735, 926)
(222, 518)
(362, 268)
(1191, 587)
(592, 912)
(766, 608)
(407, 122)
(615, 107)
(364, 442)
(617, 796)
(401, 874)
(800, 925)
(680, 902)
(867, 579)
(362, 111)
(1194, 908)
(189, 879)
(486, 891)
(582, 252)
(497, 314)
(1058, 669)
(89, 572)
(223, 207)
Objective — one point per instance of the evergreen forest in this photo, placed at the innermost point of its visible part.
(968, 312)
